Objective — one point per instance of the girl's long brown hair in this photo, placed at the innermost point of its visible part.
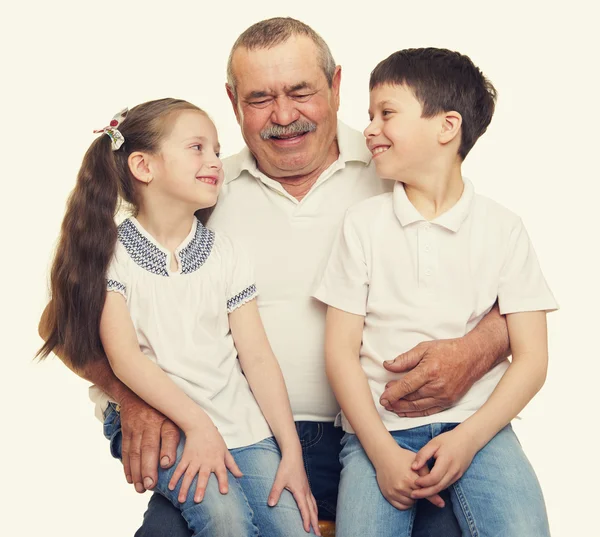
(89, 233)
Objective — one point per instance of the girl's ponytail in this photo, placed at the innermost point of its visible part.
(86, 245)
(89, 233)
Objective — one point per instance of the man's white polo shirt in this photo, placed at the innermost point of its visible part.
(290, 241)
(415, 280)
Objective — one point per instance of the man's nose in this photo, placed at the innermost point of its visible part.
(284, 111)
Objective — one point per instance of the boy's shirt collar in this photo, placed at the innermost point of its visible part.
(452, 219)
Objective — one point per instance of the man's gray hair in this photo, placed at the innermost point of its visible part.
(272, 32)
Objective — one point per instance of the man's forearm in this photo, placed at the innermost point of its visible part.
(99, 372)
(488, 343)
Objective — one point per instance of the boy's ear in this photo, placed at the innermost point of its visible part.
(140, 167)
(451, 123)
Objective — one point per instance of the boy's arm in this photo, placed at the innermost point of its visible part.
(441, 372)
(522, 380)
(343, 338)
(148, 436)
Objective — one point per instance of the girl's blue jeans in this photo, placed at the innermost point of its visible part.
(499, 494)
(243, 511)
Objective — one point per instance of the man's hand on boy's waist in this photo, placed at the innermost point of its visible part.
(439, 374)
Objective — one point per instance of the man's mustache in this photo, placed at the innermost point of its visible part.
(297, 127)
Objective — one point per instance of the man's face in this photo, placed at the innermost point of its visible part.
(287, 111)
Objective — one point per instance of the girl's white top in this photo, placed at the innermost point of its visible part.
(181, 319)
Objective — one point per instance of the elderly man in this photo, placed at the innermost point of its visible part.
(285, 195)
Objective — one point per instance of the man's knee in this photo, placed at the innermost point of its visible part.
(162, 519)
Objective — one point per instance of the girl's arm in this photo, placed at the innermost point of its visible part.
(343, 338)
(525, 376)
(139, 373)
(205, 451)
(264, 376)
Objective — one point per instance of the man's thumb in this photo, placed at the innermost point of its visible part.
(405, 361)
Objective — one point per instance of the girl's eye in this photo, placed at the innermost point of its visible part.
(386, 112)
(218, 154)
(199, 146)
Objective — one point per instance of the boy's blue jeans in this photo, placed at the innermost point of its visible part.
(321, 450)
(243, 511)
(499, 494)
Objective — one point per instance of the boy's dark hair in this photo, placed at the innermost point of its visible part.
(441, 81)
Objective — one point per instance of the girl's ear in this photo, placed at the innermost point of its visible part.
(139, 166)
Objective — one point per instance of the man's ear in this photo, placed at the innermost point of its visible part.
(451, 125)
(233, 100)
(139, 166)
(335, 85)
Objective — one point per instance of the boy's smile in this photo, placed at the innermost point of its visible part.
(402, 142)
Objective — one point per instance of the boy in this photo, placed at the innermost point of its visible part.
(425, 262)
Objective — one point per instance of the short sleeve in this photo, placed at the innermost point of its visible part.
(345, 282)
(116, 276)
(241, 285)
(522, 286)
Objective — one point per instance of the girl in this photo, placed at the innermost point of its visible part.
(179, 322)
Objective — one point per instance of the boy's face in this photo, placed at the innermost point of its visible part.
(404, 145)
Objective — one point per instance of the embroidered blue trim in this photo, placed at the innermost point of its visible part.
(114, 285)
(241, 298)
(195, 254)
(141, 250)
(151, 258)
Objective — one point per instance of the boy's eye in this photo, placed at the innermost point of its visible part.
(199, 146)
(386, 112)
(218, 154)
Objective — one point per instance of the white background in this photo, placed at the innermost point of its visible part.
(67, 67)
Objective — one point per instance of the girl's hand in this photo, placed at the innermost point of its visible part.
(204, 453)
(453, 452)
(292, 476)
(397, 480)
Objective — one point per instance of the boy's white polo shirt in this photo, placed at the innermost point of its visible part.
(290, 241)
(416, 280)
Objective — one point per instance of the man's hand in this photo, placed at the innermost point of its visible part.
(147, 435)
(439, 373)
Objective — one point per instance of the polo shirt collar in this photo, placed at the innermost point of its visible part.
(452, 219)
(350, 142)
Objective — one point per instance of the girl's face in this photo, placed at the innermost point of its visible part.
(187, 168)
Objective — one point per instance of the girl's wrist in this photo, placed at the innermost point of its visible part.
(197, 422)
(290, 448)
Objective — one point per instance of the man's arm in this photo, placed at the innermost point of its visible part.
(441, 372)
(147, 434)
